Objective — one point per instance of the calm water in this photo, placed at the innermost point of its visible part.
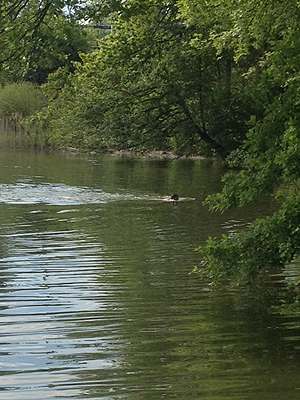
(96, 296)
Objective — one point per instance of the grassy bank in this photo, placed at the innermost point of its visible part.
(18, 103)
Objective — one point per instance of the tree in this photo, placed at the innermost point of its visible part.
(269, 159)
(39, 36)
(159, 81)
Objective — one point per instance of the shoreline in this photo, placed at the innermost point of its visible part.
(166, 155)
(155, 155)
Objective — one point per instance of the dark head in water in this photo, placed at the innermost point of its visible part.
(174, 198)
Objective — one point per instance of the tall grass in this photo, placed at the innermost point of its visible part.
(18, 103)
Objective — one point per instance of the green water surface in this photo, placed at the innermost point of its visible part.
(97, 298)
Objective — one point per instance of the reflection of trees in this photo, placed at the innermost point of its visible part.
(176, 336)
(208, 342)
(134, 322)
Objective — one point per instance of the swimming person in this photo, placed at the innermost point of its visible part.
(174, 198)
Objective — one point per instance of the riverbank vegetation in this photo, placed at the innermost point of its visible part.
(214, 77)
(18, 102)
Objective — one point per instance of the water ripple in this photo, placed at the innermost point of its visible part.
(64, 195)
(52, 194)
(55, 316)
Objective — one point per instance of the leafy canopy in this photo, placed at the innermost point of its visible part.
(39, 36)
(159, 81)
(269, 159)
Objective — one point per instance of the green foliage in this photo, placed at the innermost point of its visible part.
(269, 158)
(20, 99)
(18, 104)
(270, 242)
(37, 37)
(158, 82)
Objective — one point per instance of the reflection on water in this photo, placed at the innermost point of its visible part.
(56, 317)
(96, 296)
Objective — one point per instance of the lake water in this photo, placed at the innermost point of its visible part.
(97, 298)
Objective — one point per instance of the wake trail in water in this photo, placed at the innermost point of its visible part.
(62, 194)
